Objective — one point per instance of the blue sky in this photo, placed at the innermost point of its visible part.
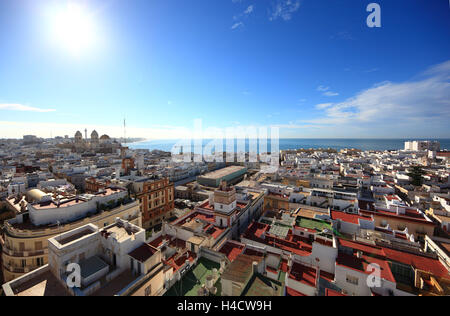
(310, 67)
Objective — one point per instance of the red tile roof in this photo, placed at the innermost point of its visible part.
(231, 250)
(292, 292)
(369, 249)
(349, 218)
(330, 292)
(410, 216)
(384, 254)
(303, 274)
(419, 262)
(362, 264)
(143, 252)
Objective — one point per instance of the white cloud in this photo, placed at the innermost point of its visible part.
(249, 9)
(330, 94)
(326, 91)
(422, 104)
(322, 88)
(23, 108)
(236, 25)
(284, 9)
(244, 14)
(323, 105)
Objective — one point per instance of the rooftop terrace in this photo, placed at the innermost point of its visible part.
(313, 224)
(217, 174)
(194, 279)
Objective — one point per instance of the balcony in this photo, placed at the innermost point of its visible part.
(28, 230)
(24, 254)
(15, 269)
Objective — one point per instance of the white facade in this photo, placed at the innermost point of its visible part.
(418, 145)
(72, 210)
(16, 188)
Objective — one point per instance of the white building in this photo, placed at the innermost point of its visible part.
(422, 145)
(114, 260)
(68, 210)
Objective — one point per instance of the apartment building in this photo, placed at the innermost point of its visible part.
(418, 145)
(112, 260)
(156, 196)
(25, 238)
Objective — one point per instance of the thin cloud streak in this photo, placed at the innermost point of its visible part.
(23, 108)
(284, 9)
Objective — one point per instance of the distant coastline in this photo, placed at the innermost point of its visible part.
(306, 143)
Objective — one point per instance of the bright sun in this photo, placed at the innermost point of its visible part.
(74, 29)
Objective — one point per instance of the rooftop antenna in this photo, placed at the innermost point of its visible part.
(124, 130)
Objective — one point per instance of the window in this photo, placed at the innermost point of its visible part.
(148, 290)
(38, 245)
(40, 261)
(352, 280)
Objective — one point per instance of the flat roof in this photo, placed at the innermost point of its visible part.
(241, 269)
(279, 230)
(75, 200)
(116, 285)
(121, 232)
(44, 284)
(81, 234)
(92, 265)
(314, 224)
(220, 173)
(261, 286)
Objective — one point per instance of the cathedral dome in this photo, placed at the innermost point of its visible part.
(94, 135)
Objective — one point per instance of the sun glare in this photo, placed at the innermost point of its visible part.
(74, 29)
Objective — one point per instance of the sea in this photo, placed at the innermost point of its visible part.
(295, 143)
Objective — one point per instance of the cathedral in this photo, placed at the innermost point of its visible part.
(95, 144)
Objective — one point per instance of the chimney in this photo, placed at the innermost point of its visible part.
(255, 267)
(211, 199)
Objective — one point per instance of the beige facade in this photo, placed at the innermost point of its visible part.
(417, 228)
(26, 248)
(154, 283)
(157, 201)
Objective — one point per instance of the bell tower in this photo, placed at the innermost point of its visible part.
(224, 199)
